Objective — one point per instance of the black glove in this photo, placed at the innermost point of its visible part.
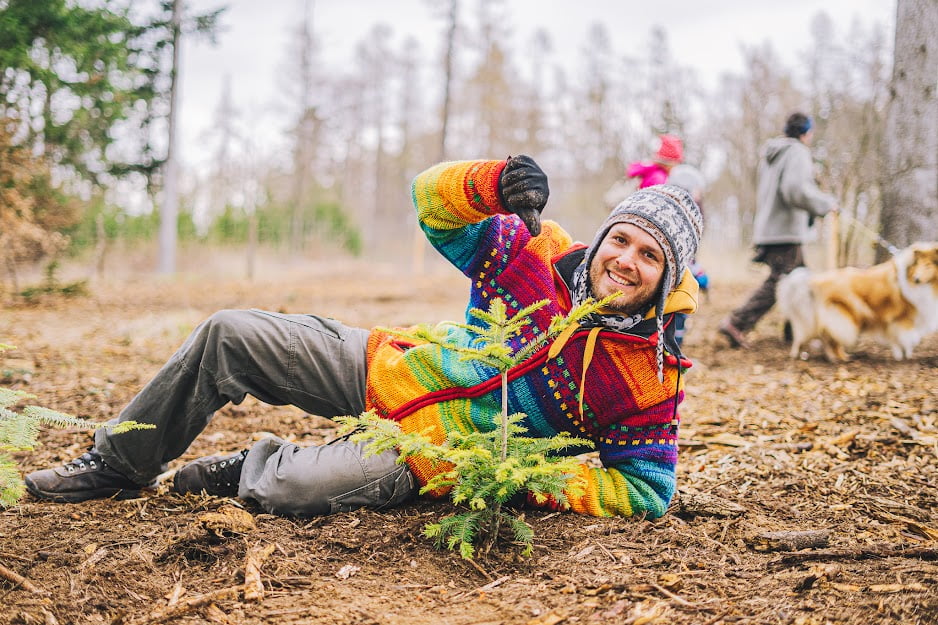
(523, 190)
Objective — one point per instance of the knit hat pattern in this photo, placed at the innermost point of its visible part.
(669, 214)
(671, 150)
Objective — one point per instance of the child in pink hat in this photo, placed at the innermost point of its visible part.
(669, 154)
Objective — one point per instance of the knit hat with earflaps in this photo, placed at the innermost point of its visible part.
(670, 215)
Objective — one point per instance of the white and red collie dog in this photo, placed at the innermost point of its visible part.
(896, 300)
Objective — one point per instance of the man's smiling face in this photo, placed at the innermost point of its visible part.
(628, 260)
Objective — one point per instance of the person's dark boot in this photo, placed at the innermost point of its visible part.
(214, 475)
(85, 477)
(733, 334)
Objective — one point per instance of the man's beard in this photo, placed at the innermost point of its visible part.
(628, 308)
(622, 306)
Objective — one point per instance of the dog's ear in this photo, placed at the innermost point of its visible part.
(933, 253)
(925, 254)
(924, 264)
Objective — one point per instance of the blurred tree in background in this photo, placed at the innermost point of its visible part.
(70, 76)
(84, 89)
(22, 236)
(81, 87)
(909, 170)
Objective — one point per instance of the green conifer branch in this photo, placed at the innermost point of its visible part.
(9, 397)
(487, 469)
(20, 430)
(11, 484)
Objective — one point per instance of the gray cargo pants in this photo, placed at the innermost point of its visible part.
(314, 363)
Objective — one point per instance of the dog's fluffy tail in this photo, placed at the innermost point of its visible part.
(796, 304)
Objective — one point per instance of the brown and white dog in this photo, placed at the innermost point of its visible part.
(896, 300)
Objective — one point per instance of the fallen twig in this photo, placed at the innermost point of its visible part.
(216, 615)
(19, 580)
(482, 589)
(716, 618)
(790, 541)
(677, 598)
(607, 552)
(884, 551)
(480, 569)
(93, 559)
(702, 504)
(177, 592)
(491, 585)
(183, 607)
(299, 610)
(253, 586)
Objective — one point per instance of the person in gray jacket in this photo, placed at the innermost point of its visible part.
(787, 201)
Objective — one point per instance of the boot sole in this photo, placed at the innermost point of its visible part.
(118, 494)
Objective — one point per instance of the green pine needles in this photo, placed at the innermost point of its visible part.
(486, 471)
(19, 431)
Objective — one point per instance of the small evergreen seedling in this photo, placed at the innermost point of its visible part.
(486, 470)
(19, 431)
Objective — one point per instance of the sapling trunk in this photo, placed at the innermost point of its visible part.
(492, 534)
(504, 415)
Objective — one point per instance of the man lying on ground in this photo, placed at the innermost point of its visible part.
(615, 380)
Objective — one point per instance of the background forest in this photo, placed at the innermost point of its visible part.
(88, 100)
(305, 207)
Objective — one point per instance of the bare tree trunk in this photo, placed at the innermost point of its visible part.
(910, 160)
(302, 149)
(100, 245)
(377, 197)
(11, 274)
(420, 242)
(169, 208)
(448, 74)
(252, 244)
(409, 112)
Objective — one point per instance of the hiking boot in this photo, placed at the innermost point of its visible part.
(215, 475)
(733, 334)
(85, 477)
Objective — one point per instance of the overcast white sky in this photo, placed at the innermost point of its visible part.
(703, 34)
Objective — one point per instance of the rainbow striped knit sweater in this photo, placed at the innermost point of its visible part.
(627, 412)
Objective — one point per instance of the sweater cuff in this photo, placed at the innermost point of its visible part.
(482, 187)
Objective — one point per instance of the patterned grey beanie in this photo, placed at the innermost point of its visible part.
(669, 214)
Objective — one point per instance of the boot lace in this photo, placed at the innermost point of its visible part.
(227, 472)
(88, 461)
